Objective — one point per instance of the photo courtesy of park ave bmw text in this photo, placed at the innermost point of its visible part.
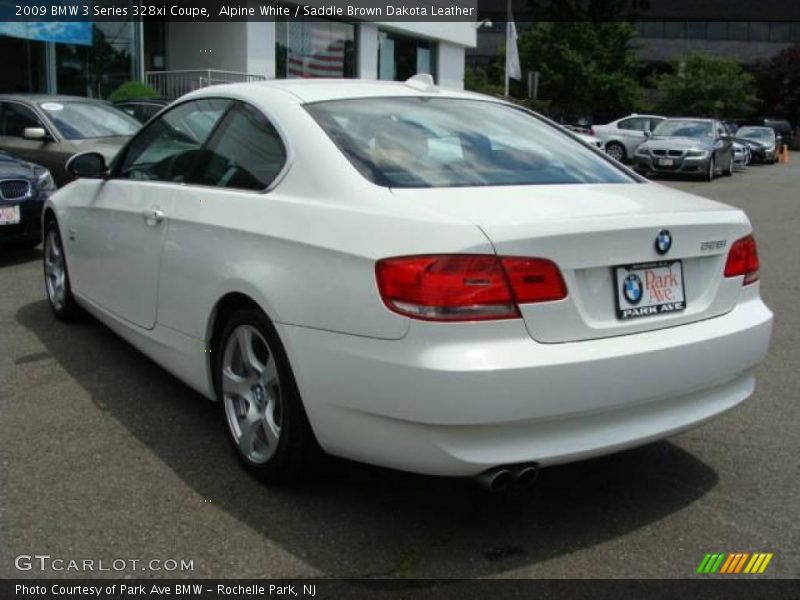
(399, 298)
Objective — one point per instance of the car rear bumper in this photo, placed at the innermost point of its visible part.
(458, 399)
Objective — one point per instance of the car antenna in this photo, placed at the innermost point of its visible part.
(422, 82)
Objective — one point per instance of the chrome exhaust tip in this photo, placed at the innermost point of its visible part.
(496, 480)
(527, 476)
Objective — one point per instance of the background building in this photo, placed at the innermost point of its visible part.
(668, 41)
(92, 59)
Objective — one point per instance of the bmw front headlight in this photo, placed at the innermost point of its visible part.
(44, 180)
(640, 151)
(697, 153)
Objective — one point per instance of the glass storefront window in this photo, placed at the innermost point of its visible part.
(318, 48)
(401, 57)
(154, 43)
(97, 70)
(24, 68)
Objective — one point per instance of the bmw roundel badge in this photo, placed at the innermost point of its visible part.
(632, 288)
(663, 241)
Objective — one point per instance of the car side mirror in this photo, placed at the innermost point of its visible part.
(648, 133)
(35, 133)
(89, 165)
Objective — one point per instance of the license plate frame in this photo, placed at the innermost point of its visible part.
(652, 286)
(666, 162)
(10, 215)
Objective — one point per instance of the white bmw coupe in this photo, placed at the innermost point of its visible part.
(428, 280)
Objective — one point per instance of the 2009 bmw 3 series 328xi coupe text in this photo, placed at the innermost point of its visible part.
(433, 281)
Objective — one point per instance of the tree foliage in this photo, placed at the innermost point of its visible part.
(586, 60)
(779, 83)
(707, 86)
(483, 81)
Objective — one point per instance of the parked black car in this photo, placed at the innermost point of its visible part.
(781, 127)
(762, 142)
(24, 187)
(142, 110)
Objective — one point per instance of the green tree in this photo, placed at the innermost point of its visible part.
(483, 81)
(586, 60)
(778, 81)
(707, 86)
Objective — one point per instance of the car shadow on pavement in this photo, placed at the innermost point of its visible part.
(352, 520)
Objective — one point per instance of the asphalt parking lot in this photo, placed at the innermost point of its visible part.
(105, 456)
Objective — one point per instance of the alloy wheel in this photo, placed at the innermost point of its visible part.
(55, 270)
(615, 151)
(251, 393)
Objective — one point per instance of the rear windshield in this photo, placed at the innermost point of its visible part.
(449, 142)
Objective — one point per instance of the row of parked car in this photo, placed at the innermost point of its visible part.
(38, 133)
(691, 146)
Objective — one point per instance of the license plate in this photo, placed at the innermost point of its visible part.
(9, 215)
(650, 289)
(666, 162)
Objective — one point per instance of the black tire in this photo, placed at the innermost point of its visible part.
(29, 244)
(709, 176)
(64, 306)
(729, 171)
(619, 149)
(296, 445)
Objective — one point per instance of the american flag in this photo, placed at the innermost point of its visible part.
(315, 50)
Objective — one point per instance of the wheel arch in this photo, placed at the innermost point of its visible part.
(48, 215)
(617, 142)
(224, 306)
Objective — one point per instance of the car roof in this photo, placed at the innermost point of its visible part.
(163, 101)
(704, 119)
(319, 90)
(45, 98)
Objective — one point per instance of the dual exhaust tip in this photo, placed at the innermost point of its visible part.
(501, 479)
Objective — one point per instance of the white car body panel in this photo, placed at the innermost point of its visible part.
(629, 138)
(567, 381)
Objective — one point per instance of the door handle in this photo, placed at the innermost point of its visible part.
(153, 216)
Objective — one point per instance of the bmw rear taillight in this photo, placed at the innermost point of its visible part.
(466, 287)
(743, 260)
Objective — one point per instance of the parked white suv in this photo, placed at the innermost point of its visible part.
(621, 137)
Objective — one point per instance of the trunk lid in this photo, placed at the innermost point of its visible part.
(588, 231)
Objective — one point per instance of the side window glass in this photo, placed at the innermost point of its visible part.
(632, 124)
(129, 109)
(167, 148)
(654, 123)
(16, 118)
(246, 152)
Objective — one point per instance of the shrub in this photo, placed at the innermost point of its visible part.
(132, 90)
